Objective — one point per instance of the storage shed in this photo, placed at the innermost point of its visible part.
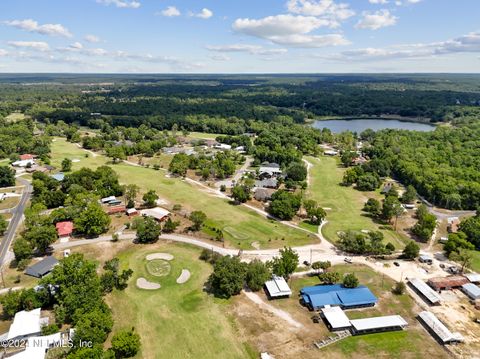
(425, 291)
(471, 290)
(42, 268)
(378, 324)
(447, 283)
(438, 329)
(277, 288)
(335, 318)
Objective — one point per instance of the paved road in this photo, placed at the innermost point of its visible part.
(17, 215)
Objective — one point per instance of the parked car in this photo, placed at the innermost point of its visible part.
(442, 265)
(306, 263)
(348, 260)
(396, 264)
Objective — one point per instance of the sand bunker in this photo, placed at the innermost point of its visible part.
(164, 256)
(142, 283)
(75, 160)
(184, 276)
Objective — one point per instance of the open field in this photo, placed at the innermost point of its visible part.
(241, 225)
(9, 202)
(345, 202)
(414, 342)
(177, 320)
(203, 135)
(15, 116)
(475, 261)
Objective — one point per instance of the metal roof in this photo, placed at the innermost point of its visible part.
(43, 267)
(278, 287)
(25, 323)
(336, 317)
(471, 290)
(439, 328)
(389, 321)
(157, 213)
(423, 288)
(336, 294)
(472, 277)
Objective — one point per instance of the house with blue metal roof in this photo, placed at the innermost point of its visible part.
(319, 296)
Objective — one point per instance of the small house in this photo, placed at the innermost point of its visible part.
(335, 318)
(26, 156)
(24, 163)
(64, 229)
(131, 212)
(42, 268)
(108, 199)
(158, 213)
(26, 324)
(222, 146)
(423, 258)
(263, 194)
(269, 170)
(267, 183)
(58, 176)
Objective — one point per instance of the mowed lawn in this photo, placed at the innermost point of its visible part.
(346, 203)
(177, 320)
(414, 342)
(241, 226)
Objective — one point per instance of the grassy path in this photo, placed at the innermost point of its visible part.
(345, 203)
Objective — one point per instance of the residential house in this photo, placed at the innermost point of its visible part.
(269, 170)
(158, 213)
(64, 229)
(42, 268)
(263, 194)
(267, 183)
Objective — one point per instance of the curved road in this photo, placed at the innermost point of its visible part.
(17, 215)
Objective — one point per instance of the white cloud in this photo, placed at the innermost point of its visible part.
(132, 4)
(204, 14)
(378, 1)
(3, 52)
(251, 49)
(376, 20)
(92, 38)
(469, 43)
(34, 45)
(327, 9)
(76, 45)
(220, 57)
(290, 30)
(45, 29)
(170, 11)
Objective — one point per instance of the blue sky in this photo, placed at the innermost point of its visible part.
(246, 36)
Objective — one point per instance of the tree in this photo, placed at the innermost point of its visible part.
(92, 221)
(317, 215)
(399, 288)
(457, 241)
(284, 205)
(7, 176)
(324, 265)
(41, 237)
(126, 344)
(297, 172)
(130, 193)
(66, 165)
(464, 257)
(347, 158)
(368, 182)
(228, 277)
(93, 326)
(390, 248)
(426, 224)
(392, 208)
(373, 207)
(150, 199)
(257, 274)
(3, 225)
(22, 249)
(410, 195)
(241, 194)
(170, 226)
(148, 230)
(411, 250)
(329, 277)
(471, 227)
(350, 281)
(116, 153)
(198, 218)
(286, 264)
(113, 278)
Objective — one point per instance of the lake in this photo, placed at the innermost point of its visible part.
(359, 125)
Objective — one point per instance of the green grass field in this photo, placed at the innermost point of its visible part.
(476, 261)
(241, 225)
(177, 320)
(345, 202)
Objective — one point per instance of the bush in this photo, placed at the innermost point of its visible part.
(350, 281)
(257, 274)
(399, 288)
(126, 344)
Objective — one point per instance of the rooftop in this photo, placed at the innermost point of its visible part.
(158, 213)
(447, 282)
(336, 294)
(25, 323)
(64, 228)
(472, 290)
(439, 328)
(389, 321)
(42, 268)
(472, 277)
(278, 287)
(336, 317)
(423, 288)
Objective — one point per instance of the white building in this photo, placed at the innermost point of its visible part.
(378, 324)
(278, 288)
(26, 324)
(222, 146)
(336, 318)
(425, 290)
(473, 277)
(24, 163)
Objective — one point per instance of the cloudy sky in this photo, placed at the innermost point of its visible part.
(239, 36)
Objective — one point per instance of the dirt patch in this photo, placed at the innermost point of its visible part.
(142, 283)
(164, 256)
(184, 276)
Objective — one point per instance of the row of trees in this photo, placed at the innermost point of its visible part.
(230, 274)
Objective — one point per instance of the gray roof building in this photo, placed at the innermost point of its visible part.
(42, 268)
